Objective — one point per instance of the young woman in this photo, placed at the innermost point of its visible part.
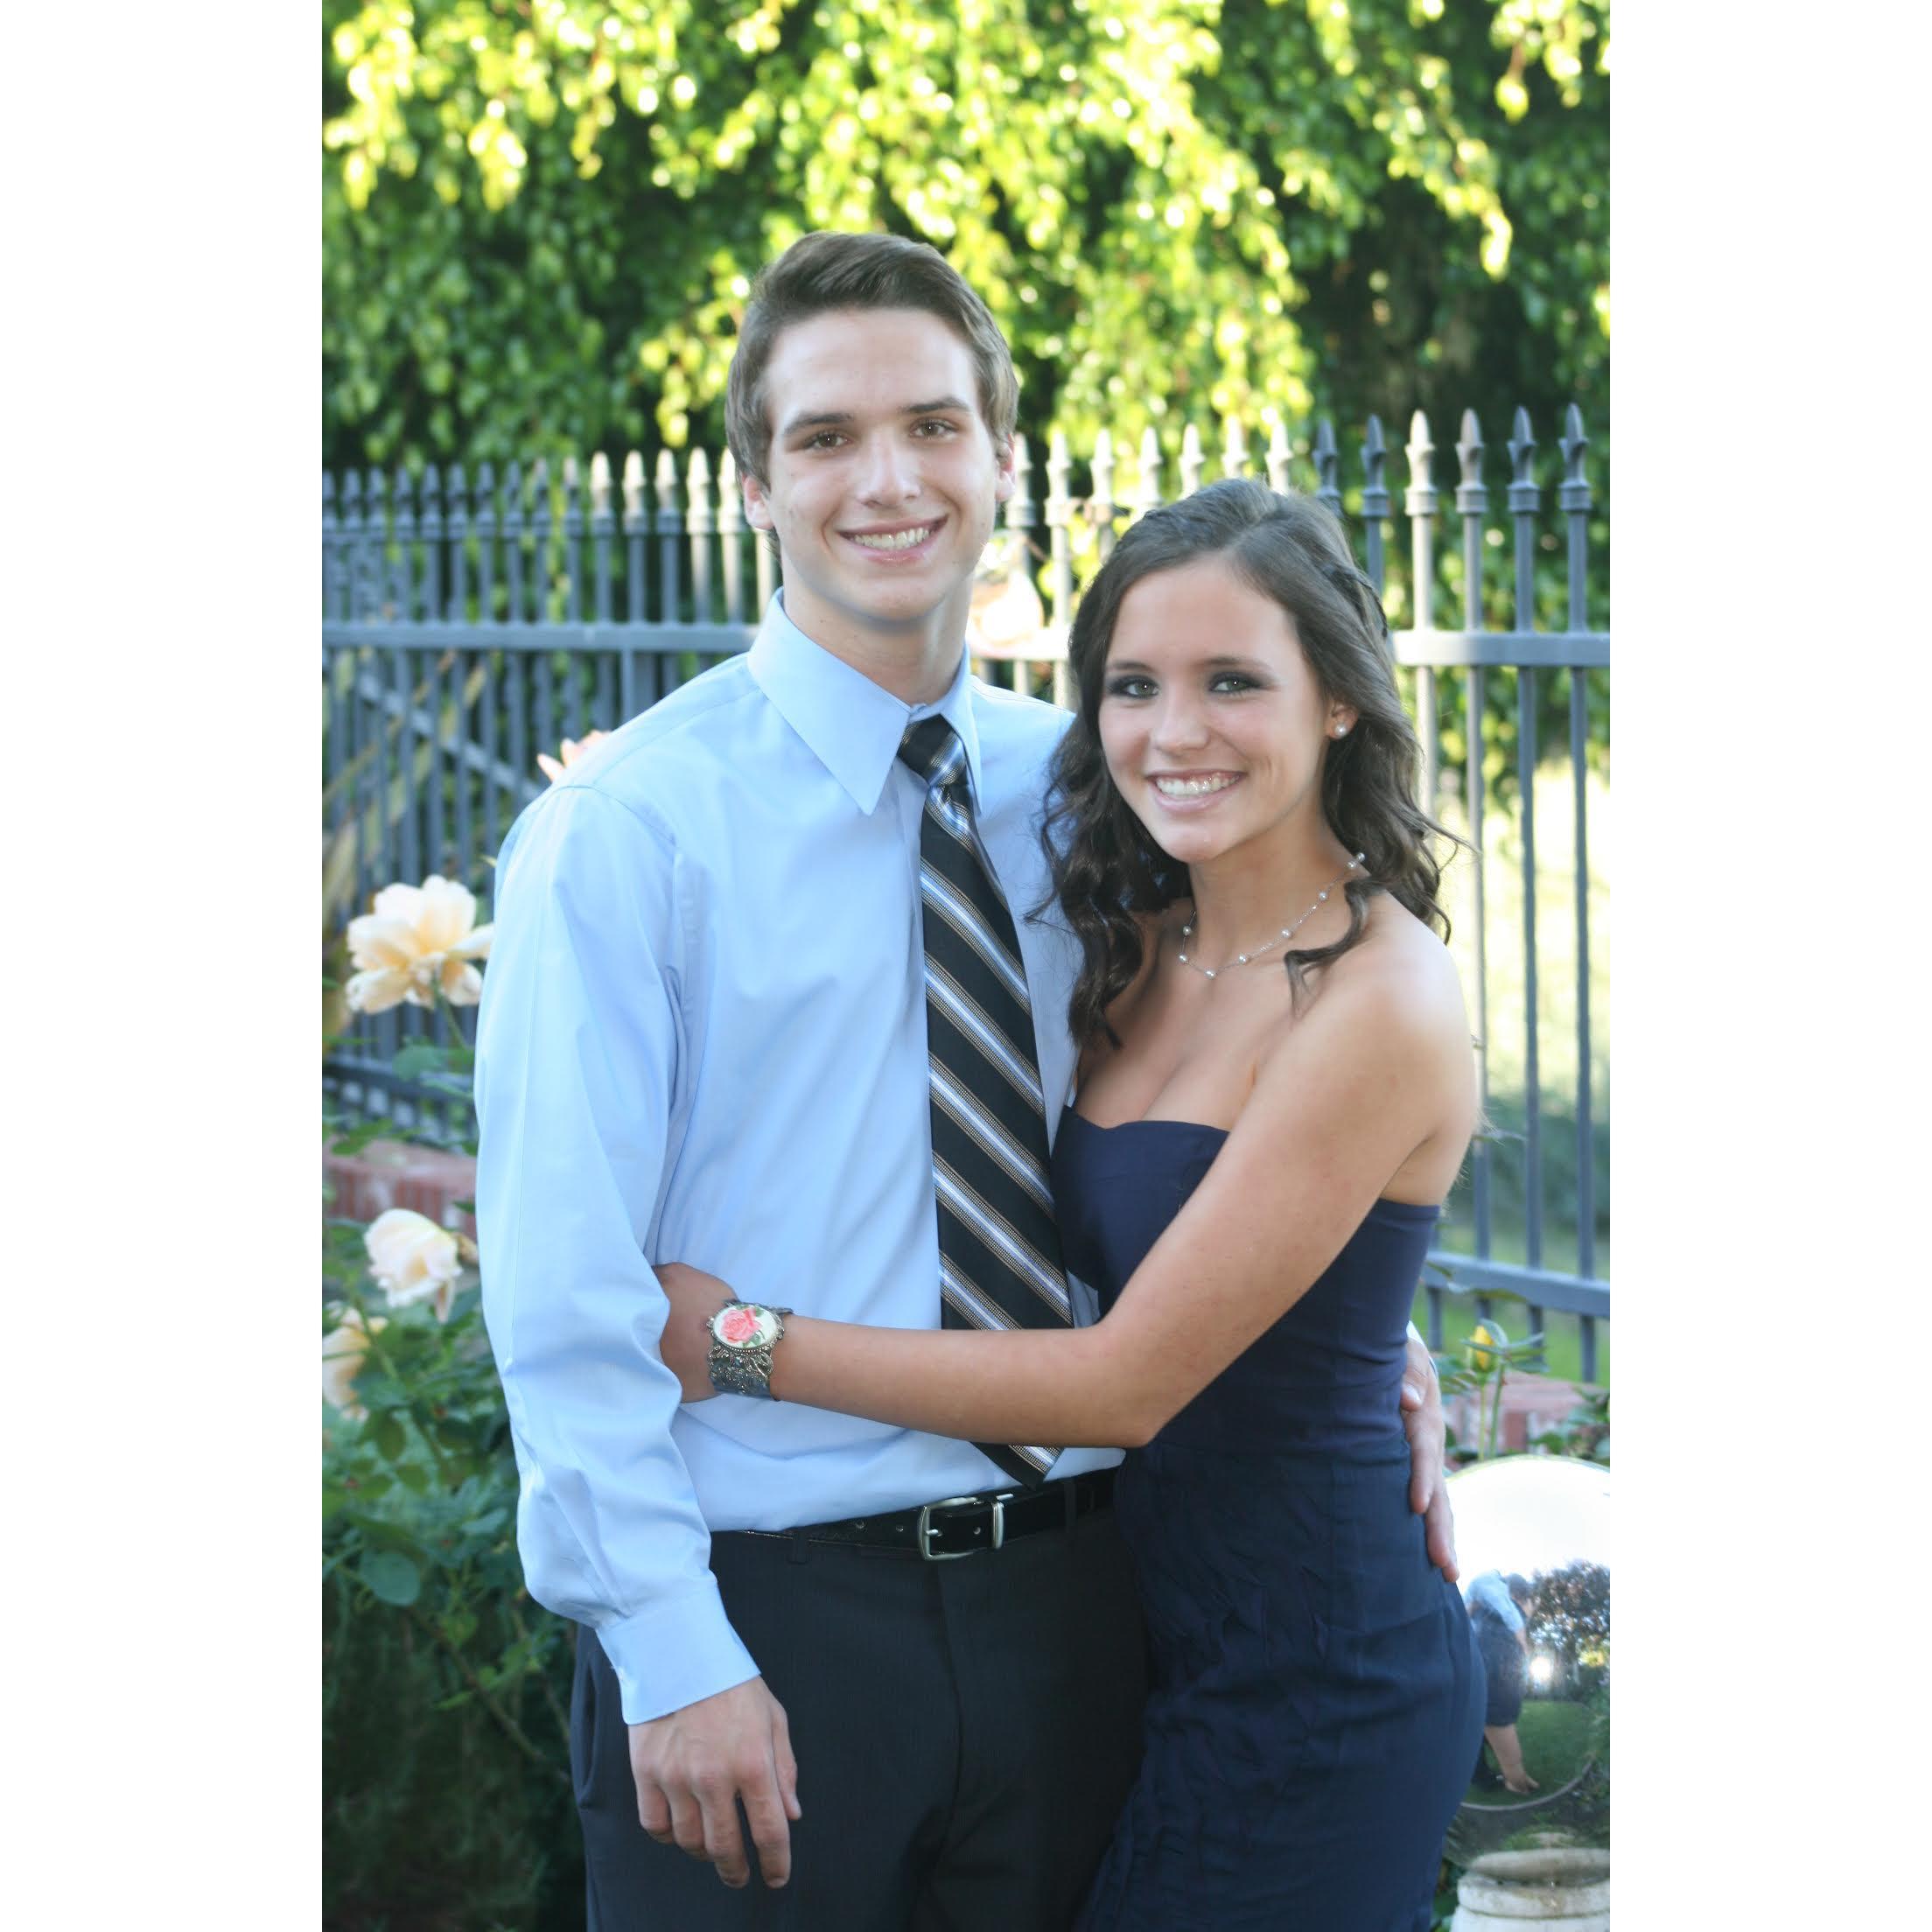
(1276, 1092)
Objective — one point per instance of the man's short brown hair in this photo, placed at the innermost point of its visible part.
(827, 271)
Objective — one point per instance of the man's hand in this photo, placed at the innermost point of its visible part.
(692, 1767)
(1428, 1495)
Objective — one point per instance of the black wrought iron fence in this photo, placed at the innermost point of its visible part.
(472, 623)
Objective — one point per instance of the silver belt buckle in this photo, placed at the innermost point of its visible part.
(925, 1527)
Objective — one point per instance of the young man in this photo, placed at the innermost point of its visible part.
(704, 1038)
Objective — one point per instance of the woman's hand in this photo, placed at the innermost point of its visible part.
(686, 1346)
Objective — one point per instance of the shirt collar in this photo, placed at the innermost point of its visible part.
(852, 725)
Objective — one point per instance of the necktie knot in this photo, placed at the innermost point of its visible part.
(932, 749)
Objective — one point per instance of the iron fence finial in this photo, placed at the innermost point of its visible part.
(1375, 458)
(1020, 505)
(1575, 492)
(1147, 485)
(1278, 454)
(1234, 447)
(1523, 493)
(1327, 467)
(1419, 499)
(670, 519)
(1471, 499)
(1100, 501)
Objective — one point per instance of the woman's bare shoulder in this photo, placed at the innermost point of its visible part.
(1399, 975)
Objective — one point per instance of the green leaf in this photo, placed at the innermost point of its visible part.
(386, 1430)
(424, 1057)
(392, 1576)
(358, 1138)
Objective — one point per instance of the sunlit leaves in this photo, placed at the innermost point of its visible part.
(1171, 205)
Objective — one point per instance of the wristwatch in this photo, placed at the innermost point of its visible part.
(743, 1335)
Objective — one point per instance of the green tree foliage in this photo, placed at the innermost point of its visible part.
(541, 217)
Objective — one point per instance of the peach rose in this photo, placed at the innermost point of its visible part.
(414, 1260)
(574, 748)
(417, 942)
(343, 1350)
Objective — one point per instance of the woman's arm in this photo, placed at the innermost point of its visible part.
(1376, 1066)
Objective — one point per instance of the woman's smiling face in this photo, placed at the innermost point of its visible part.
(1211, 718)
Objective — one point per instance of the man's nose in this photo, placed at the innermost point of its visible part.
(889, 474)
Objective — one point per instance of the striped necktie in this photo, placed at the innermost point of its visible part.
(999, 1264)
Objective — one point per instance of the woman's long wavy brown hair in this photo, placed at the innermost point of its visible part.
(1106, 869)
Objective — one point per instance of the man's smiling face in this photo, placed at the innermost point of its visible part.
(883, 480)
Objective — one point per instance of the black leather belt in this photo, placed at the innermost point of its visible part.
(960, 1526)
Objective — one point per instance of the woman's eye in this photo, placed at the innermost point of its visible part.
(1130, 687)
(1232, 681)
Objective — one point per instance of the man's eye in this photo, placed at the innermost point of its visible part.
(824, 440)
(936, 426)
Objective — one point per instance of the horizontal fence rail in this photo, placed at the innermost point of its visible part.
(471, 623)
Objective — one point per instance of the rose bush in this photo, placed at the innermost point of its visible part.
(446, 1731)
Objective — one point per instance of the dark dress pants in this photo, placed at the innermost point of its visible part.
(965, 1732)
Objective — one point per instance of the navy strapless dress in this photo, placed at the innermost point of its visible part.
(1316, 1695)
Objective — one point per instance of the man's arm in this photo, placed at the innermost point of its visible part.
(577, 1048)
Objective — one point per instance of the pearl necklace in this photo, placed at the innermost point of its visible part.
(1287, 932)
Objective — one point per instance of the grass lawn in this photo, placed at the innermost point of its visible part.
(1555, 1737)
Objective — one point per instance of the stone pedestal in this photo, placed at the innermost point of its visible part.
(1563, 1888)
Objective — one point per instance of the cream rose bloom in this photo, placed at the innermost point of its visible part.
(574, 748)
(343, 1350)
(414, 1260)
(417, 941)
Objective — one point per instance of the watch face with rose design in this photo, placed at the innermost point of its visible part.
(743, 1335)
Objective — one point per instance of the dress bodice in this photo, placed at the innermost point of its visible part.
(1327, 1375)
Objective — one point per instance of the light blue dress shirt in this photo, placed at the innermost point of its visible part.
(703, 1038)
(1493, 1593)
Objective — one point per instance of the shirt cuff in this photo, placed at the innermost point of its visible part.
(674, 1654)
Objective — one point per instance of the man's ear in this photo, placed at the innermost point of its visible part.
(758, 509)
(1007, 477)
